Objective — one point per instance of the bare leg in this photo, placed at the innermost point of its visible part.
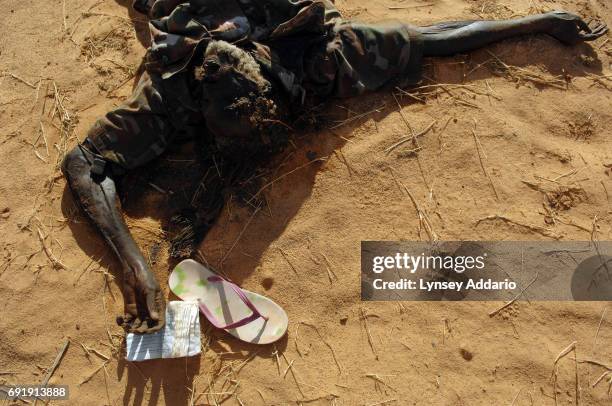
(144, 303)
(447, 39)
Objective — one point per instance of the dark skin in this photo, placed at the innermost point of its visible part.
(447, 39)
(97, 195)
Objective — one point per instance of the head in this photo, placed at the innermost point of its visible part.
(240, 107)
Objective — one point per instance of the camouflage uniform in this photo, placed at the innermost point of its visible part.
(304, 44)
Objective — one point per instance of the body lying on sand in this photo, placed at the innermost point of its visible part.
(235, 79)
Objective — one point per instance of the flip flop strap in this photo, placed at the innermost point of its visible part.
(213, 320)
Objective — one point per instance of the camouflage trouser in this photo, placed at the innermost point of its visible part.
(356, 58)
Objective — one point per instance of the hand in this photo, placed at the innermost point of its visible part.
(145, 308)
(571, 29)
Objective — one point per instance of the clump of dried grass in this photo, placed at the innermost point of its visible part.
(67, 121)
(521, 75)
(491, 10)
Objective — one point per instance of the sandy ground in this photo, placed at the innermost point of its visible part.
(65, 63)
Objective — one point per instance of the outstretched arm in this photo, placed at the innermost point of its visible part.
(446, 39)
(96, 194)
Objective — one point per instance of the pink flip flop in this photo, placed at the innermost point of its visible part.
(248, 316)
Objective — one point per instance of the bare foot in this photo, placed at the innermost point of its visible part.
(571, 29)
(145, 308)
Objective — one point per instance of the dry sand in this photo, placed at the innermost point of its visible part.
(64, 63)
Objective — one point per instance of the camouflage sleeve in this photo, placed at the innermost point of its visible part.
(360, 58)
(135, 132)
(278, 18)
